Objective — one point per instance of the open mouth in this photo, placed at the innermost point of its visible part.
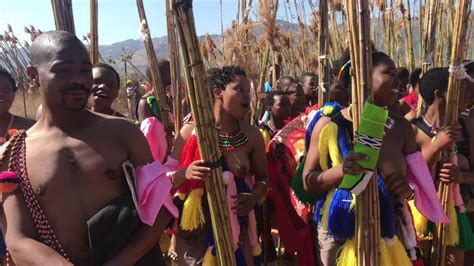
(101, 94)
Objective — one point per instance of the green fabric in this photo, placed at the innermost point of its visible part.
(466, 237)
(153, 103)
(297, 184)
(372, 124)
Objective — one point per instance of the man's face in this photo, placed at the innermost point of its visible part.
(310, 87)
(105, 89)
(66, 80)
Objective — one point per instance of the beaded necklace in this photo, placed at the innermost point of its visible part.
(231, 141)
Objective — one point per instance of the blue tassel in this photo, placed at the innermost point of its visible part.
(257, 260)
(387, 212)
(318, 216)
(341, 219)
(240, 258)
(343, 142)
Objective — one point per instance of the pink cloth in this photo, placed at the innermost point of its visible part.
(153, 186)
(155, 134)
(234, 222)
(426, 199)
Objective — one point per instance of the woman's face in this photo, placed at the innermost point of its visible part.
(236, 97)
(7, 95)
(281, 106)
(385, 83)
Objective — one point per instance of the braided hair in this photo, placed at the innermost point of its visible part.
(220, 78)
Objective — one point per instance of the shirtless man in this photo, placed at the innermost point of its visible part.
(105, 89)
(397, 142)
(79, 170)
(7, 96)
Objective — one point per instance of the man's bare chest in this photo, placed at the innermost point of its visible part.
(73, 165)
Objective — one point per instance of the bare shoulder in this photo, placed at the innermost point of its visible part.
(186, 131)
(401, 123)
(252, 132)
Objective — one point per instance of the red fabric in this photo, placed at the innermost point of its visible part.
(293, 230)
(411, 99)
(190, 154)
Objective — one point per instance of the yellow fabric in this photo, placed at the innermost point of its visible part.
(266, 137)
(384, 256)
(328, 147)
(420, 222)
(257, 251)
(209, 259)
(452, 238)
(397, 252)
(193, 214)
(348, 253)
(325, 209)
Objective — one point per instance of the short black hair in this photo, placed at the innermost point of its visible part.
(434, 79)
(469, 68)
(306, 74)
(403, 73)
(109, 67)
(42, 48)
(270, 98)
(415, 77)
(220, 78)
(6, 74)
(377, 59)
(163, 65)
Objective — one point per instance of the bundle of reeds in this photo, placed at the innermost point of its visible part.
(63, 15)
(367, 208)
(203, 116)
(438, 254)
(323, 48)
(406, 12)
(94, 34)
(158, 88)
(175, 68)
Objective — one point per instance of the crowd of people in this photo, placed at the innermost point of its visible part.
(84, 185)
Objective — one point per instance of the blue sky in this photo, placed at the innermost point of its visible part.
(118, 19)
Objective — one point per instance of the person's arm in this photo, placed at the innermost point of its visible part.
(146, 236)
(19, 230)
(447, 137)
(314, 179)
(259, 167)
(144, 110)
(404, 107)
(21, 237)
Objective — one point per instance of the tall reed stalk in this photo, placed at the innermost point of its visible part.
(204, 122)
(438, 254)
(158, 88)
(63, 15)
(94, 34)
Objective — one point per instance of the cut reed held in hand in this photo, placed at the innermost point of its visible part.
(203, 116)
(438, 254)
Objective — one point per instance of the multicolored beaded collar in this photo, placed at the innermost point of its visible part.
(231, 141)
